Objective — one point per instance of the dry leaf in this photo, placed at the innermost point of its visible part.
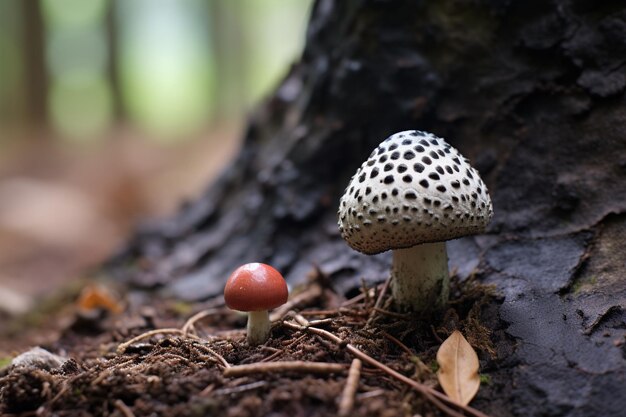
(97, 296)
(458, 368)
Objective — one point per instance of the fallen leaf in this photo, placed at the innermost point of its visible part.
(458, 368)
(96, 296)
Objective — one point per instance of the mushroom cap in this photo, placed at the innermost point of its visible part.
(414, 188)
(255, 287)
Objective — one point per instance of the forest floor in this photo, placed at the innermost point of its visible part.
(138, 355)
(66, 207)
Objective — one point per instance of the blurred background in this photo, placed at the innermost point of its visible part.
(116, 111)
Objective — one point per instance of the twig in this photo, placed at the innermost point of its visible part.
(321, 322)
(379, 301)
(219, 357)
(301, 320)
(391, 313)
(123, 408)
(189, 324)
(123, 346)
(320, 313)
(109, 371)
(434, 396)
(352, 384)
(286, 366)
(398, 342)
(240, 388)
(357, 298)
(366, 291)
(277, 354)
(370, 394)
(310, 294)
(207, 390)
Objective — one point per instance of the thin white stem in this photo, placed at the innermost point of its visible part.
(259, 326)
(420, 278)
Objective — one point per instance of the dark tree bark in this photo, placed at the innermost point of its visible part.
(532, 92)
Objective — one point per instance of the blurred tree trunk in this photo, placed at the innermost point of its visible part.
(113, 62)
(227, 38)
(531, 92)
(35, 75)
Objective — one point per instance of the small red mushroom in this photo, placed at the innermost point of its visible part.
(256, 288)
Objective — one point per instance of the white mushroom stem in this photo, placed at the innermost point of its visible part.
(420, 280)
(259, 326)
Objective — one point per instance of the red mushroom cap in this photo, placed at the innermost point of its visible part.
(255, 287)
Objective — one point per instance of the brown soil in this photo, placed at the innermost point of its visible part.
(171, 374)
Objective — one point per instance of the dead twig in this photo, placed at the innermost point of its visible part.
(286, 366)
(359, 297)
(352, 384)
(311, 293)
(284, 349)
(240, 388)
(437, 398)
(213, 353)
(321, 322)
(189, 324)
(370, 394)
(379, 301)
(391, 313)
(320, 313)
(123, 346)
(123, 408)
(398, 342)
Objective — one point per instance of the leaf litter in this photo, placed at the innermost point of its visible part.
(144, 363)
(458, 368)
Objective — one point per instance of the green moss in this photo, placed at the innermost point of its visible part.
(580, 284)
(485, 379)
(434, 366)
(5, 361)
(181, 308)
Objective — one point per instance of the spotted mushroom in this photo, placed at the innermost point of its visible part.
(412, 194)
(256, 288)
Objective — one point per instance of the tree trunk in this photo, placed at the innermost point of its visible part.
(531, 92)
(35, 76)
